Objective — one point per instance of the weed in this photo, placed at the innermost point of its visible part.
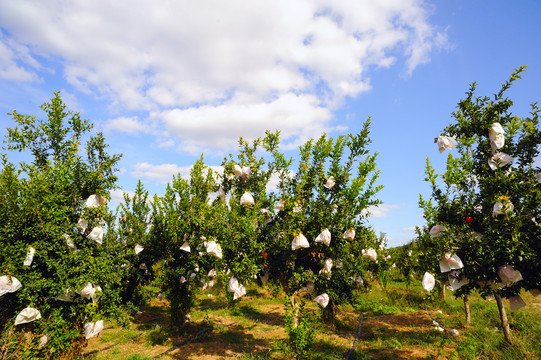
(231, 337)
(393, 343)
(300, 327)
(157, 336)
(375, 306)
(137, 357)
(258, 356)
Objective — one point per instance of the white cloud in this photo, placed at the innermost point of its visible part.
(382, 210)
(70, 100)
(220, 126)
(537, 161)
(15, 61)
(209, 71)
(274, 181)
(410, 229)
(118, 195)
(165, 144)
(126, 124)
(164, 172)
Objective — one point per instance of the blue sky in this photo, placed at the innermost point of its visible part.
(166, 81)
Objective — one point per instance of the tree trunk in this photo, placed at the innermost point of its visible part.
(467, 309)
(442, 283)
(180, 304)
(295, 309)
(127, 295)
(503, 318)
(328, 313)
(285, 284)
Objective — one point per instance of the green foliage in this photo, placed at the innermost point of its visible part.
(132, 229)
(259, 240)
(406, 260)
(375, 306)
(300, 326)
(245, 224)
(184, 215)
(474, 184)
(253, 238)
(41, 204)
(471, 189)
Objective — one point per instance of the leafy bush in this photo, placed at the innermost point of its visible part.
(488, 206)
(328, 194)
(301, 329)
(184, 223)
(46, 205)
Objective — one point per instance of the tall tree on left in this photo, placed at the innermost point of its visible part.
(59, 270)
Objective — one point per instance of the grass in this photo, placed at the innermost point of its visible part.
(395, 326)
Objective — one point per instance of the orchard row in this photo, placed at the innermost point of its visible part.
(68, 263)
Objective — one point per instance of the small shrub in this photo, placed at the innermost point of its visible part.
(300, 327)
